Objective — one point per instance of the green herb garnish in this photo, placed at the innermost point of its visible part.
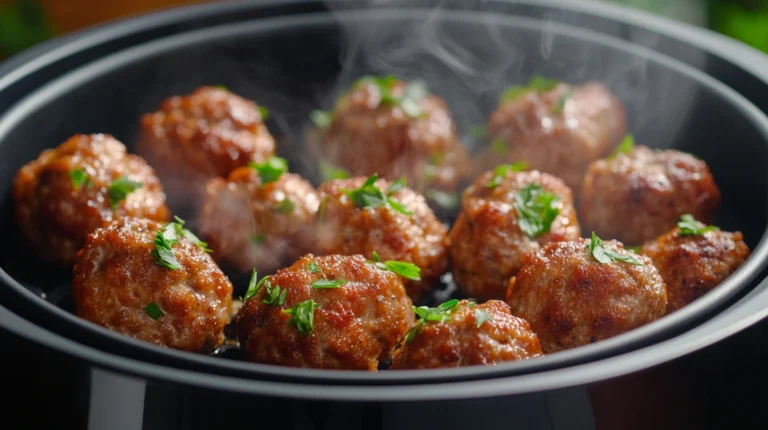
(498, 146)
(285, 206)
(625, 146)
(481, 317)
(329, 171)
(560, 105)
(322, 119)
(79, 177)
(154, 311)
(313, 267)
(275, 296)
(321, 209)
(302, 316)
(414, 92)
(328, 283)
(689, 226)
(120, 188)
(443, 199)
(175, 229)
(370, 196)
(536, 209)
(427, 314)
(501, 171)
(536, 83)
(264, 112)
(270, 170)
(252, 288)
(635, 249)
(397, 185)
(163, 252)
(402, 268)
(606, 255)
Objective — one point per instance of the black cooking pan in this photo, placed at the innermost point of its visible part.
(683, 88)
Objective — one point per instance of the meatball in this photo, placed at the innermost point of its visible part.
(470, 335)
(367, 216)
(256, 220)
(394, 128)
(583, 291)
(331, 312)
(195, 137)
(506, 215)
(638, 195)
(555, 127)
(70, 191)
(154, 282)
(694, 258)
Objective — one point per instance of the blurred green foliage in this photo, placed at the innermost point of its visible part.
(22, 24)
(744, 20)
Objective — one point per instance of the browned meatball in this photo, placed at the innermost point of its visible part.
(171, 295)
(506, 215)
(254, 220)
(470, 335)
(195, 137)
(695, 259)
(636, 196)
(71, 190)
(571, 298)
(332, 312)
(558, 129)
(399, 227)
(394, 128)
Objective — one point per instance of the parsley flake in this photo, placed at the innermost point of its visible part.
(163, 252)
(635, 249)
(481, 317)
(560, 105)
(625, 146)
(285, 206)
(536, 209)
(322, 119)
(397, 185)
(444, 199)
(79, 178)
(321, 209)
(328, 283)
(498, 146)
(414, 92)
(606, 255)
(175, 229)
(370, 196)
(120, 188)
(689, 226)
(426, 314)
(302, 316)
(275, 295)
(501, 171)
(264, 112)
(329, 171)
(154, 311)
(270, 170)
(402, 268)
(313, 267)
(537, 83)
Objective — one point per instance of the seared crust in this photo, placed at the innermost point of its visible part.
(244, 223)
(54, 216)
(459, 342)
(421, 239)
(487, 244)
(116, 277)
(356, 326)
(570, 299)
(638, 196)
(693, 265)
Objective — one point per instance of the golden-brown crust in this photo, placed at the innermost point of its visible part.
(241, 220)
(460, 342)
(421, 239)
(54, 216)
(116, 277)
(487, 244)
(562, 143)
(570, 299)
(355, 327)
(366, 137)
(640, 195)
(692, 265)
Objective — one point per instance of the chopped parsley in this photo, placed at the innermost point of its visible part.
(329, 171)
(402, 268)
(689, 226)
(302, 316)
(163, 252)
(120, 188)
(498, 146)
(79, 178)
(397, 185)
(328, 283)
(444, 199)
(253, 286)
(478, 131)
(154, 311)
(606, 255)
(322, 119)
(635, 249)
(313, 267)
(536, 209)
(625, 146)
(560, 105)
(414, 92)
(285, 206)
(264, 112)
(175, 229)
(427, 314)
(370, 196)
(321, 209)
(270, 170)
(481, 317)
(501, 171)
(275, 295)
(537, 83)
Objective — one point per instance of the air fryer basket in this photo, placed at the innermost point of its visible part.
(296, 56)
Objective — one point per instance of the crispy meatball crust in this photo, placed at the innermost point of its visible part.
(195, 137)
(248, 225)
(637, 196)
(355, 326)
(487, 244)
(571, 299)
(692, 265)
(460, 342)
(560, 142)
(55, 216)
(421, 239)
(116, 278)
(367, 137)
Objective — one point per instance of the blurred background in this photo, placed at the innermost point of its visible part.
(24, 23)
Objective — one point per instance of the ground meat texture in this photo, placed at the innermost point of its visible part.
(487, 243)
(692, 265)
(419, 238)
(571, 299)
(368, 136)
(116, 279)
(195, 137)
(637, 196)
(460, 342)
(557, 133)
(250, 224)
(354, 327)
(55, 213)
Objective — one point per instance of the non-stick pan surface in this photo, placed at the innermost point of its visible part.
(296, 57)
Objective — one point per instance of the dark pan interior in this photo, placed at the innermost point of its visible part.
(296, 64)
